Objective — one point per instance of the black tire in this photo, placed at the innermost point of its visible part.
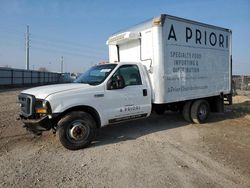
(186, 111)
(200, 111)
(76, 130)
(160, 110)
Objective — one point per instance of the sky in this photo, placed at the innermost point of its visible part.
(78, 29)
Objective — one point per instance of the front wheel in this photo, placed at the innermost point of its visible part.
(76, 130)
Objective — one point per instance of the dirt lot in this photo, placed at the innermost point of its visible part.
(162, 151)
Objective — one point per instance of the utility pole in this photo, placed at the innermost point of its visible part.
(27, 44)
(62, 64)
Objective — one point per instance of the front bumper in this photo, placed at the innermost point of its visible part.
(36, 126)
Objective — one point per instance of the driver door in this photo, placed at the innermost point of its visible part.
(130, 100)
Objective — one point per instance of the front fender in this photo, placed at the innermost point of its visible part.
(61, 105)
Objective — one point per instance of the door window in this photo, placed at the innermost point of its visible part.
(130, 73)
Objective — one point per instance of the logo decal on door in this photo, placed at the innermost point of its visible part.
(130, 108)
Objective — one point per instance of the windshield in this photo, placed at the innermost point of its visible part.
(96, 75)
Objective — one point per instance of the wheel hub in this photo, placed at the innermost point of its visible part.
(203, 112)
(78, 131)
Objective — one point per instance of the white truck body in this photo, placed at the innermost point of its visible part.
(166, 63)
(186, 59)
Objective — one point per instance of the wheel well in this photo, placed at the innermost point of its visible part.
(87, 109)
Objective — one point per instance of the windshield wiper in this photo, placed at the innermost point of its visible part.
(82, 82)
(94, 83)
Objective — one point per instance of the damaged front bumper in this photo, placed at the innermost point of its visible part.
(36, 126)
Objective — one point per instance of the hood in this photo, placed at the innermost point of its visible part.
(44, 91)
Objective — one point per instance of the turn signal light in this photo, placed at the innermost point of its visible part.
(41, 110)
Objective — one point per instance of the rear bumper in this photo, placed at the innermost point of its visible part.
(37, 125)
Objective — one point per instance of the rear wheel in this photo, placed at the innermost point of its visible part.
(200, 111)
(186, 111)
(76, 130)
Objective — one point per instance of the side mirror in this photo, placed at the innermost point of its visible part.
(109, 84)
(116, 82)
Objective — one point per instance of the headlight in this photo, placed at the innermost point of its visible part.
(42, 107)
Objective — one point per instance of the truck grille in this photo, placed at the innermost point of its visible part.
(26, 104)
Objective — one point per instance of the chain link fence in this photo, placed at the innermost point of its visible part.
(241, 84)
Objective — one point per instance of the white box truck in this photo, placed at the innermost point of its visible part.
(166, 63)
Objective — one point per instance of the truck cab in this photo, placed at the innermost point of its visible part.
(105, 94)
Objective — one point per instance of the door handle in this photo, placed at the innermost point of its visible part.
(145, 92)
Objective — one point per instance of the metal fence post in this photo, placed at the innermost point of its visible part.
(12, 77)
(22, 77)
(31, 77)
(38, 78)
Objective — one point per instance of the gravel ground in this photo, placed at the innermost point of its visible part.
(161, 151)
